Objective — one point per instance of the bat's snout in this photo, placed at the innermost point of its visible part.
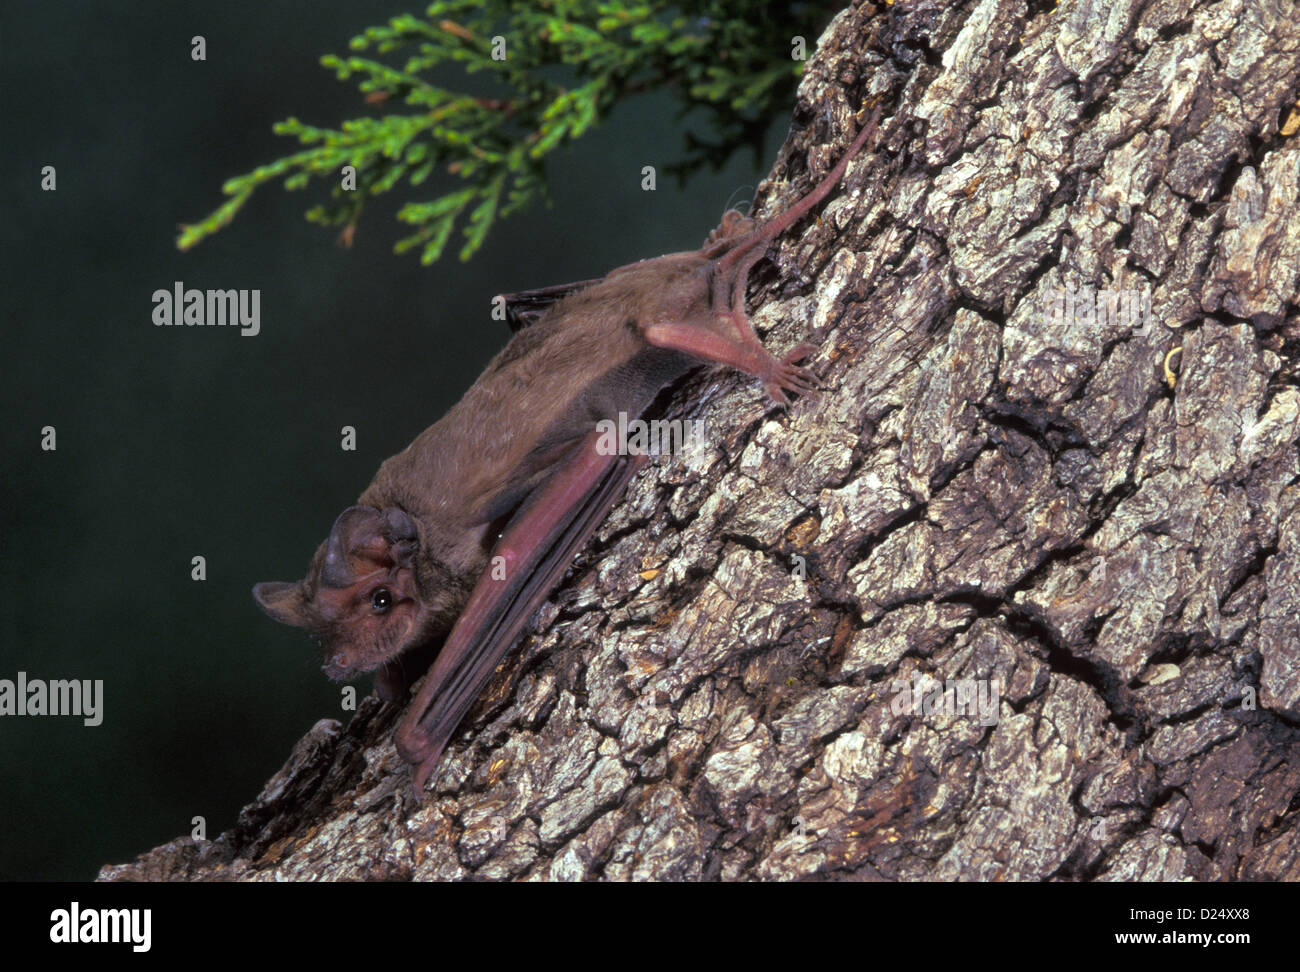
(339, 666)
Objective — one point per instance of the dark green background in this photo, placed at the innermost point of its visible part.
(174, 442)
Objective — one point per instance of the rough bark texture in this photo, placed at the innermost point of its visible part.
(985, 490)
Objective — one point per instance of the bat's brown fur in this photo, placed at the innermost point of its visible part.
(398, 567)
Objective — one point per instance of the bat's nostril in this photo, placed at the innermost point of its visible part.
(337, 665)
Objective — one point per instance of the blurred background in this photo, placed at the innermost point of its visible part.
(177, 442)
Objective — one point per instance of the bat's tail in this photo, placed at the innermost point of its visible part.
(779, 224)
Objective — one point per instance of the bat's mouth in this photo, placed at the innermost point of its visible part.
(394, 677)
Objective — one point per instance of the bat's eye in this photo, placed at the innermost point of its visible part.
(381, 600)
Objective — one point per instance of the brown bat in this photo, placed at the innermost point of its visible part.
(464, 533)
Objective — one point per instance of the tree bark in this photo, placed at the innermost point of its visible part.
(993, 485)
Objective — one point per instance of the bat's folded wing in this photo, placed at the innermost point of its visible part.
(534, 551)
(525, 307)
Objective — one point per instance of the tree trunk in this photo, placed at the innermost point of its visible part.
(1013, 479)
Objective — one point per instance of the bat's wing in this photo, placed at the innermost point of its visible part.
(525, 307)
(532, 555)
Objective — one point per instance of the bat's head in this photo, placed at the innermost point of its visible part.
(361, 596)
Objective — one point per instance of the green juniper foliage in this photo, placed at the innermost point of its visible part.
(566, 64)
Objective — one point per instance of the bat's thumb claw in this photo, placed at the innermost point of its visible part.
(424, 752)
(422, 773)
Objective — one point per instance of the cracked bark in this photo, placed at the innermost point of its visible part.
(986, 489)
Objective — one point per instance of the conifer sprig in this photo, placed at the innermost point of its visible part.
(550, 70)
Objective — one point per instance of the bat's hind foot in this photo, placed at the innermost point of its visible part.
(746, 354)
(787, 376)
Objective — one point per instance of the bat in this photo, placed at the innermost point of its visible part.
(460, 537)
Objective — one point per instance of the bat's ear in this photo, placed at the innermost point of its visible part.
(734, 224)
(365, 539)
(285, 601)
